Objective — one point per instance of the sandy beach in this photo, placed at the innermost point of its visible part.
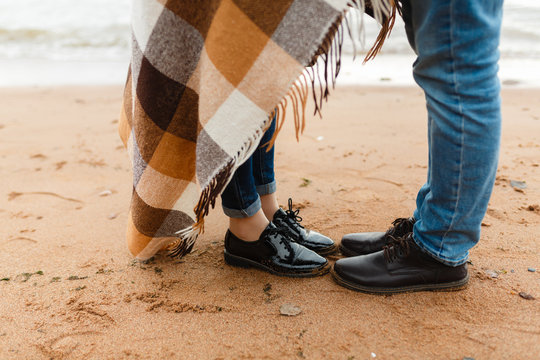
(70, 290)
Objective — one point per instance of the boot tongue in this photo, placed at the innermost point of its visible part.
(280, 213)
(268, 228)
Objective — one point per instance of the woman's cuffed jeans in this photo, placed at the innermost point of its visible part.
(253, 179)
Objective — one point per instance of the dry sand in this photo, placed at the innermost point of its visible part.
(70, 290)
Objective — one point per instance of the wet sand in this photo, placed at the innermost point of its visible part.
(70, 290)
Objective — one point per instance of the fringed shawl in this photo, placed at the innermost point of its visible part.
(204, 80)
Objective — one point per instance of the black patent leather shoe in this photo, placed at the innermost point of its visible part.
(276, 253)
(289, 219)
(369, 242)
(400, 267)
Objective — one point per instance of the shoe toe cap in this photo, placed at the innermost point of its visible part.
(319, 240)
(342, 266)
(362, 243)
(307, 258)
(353, 269)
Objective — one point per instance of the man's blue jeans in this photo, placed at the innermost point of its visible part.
(457, 46)
(254, 178)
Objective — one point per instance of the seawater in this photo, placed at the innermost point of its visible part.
(65, 29)
(54, 39)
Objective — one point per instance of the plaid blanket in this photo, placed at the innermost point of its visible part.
(205, 79)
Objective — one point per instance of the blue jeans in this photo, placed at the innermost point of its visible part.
(456, 42)
(254, 178)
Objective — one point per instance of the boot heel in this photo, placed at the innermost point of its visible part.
(235, 261)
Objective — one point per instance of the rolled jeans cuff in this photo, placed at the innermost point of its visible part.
(267, 189)
(243, 213)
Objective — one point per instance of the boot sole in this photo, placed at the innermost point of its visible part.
(328, 251)
(450, 286)
(238, 261)
(348, 253)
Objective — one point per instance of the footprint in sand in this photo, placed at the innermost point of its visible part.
(13, 195)
(59, 165)
(38, 157)
(69, 344)
(497, 214)
(21, 238)
(93, 162)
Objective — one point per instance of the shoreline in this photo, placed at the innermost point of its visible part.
(387, 70)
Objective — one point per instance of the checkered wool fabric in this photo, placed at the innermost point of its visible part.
(205, 76)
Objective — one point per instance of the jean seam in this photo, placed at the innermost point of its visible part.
(456, 91)
(239, 194)
(261, 166)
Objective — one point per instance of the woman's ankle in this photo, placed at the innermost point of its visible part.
(250, 228)
(269, 205)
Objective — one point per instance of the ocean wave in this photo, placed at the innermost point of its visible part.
(106, 43)
(7, 35)
(91, 36)
(99, 30)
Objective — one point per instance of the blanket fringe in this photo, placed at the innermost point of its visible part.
(184, 244)
(324, 69)
(387, 24)
(319, 76)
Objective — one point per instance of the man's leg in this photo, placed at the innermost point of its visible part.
(457, 47)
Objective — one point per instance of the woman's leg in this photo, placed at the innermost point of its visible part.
(252, 241)
(242, 205)
(263, 173)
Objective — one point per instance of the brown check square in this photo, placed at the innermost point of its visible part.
(234, 42)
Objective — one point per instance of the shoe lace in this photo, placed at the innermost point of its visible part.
(283, 231)
(397, 247)
(293, 215)
(400, 225)
(280, 230)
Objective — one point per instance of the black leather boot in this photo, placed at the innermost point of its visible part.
(276, 253)
(289, 219)
(400, 267)
(369, 242)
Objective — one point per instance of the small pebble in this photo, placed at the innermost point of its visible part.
(526, 296)
(105, 193)
(290, 310)
(373, 355)
(492, 274)
(531, 269)
(112, 216)
(518, 184)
